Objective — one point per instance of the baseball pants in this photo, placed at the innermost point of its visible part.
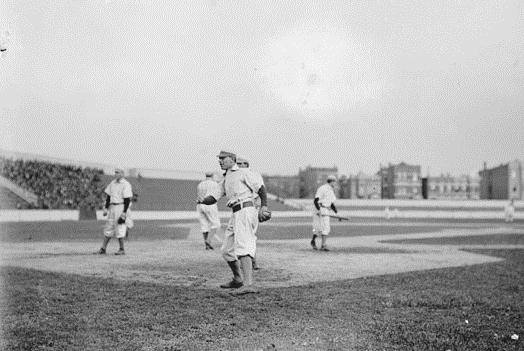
(112, 229)
(239, 237)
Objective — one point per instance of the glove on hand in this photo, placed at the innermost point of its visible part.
(264, 214)
(121, 219)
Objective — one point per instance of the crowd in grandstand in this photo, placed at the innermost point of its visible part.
(57, 186)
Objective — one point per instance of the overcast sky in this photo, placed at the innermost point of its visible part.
(283, 83)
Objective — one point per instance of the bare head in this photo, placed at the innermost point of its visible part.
(119, 173)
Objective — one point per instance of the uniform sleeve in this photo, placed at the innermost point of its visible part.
(219, 190)
(128, 191)
(319, 192)
(108, 189)
(253, 180)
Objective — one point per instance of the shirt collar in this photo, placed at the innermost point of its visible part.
(232, 169)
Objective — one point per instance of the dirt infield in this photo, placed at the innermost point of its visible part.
(284, 263)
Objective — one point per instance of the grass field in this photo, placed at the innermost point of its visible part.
(399, 285)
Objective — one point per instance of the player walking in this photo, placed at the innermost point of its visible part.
(324, 202)
(239, 247)
(118, 197)
(207, 214)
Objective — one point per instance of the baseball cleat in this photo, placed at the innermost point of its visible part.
(208, 246)
(324, 248)
(102, 251)
(120, 252)
(234, 284)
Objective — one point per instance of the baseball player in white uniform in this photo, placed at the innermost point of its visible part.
(239, 247)
(509, 211)
(324, 203)
(118, 197)
(243, 163)
(207, 214)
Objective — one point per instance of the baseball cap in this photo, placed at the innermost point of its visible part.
(331, 178)
(241, 160)
(209, 174)
(224, 154)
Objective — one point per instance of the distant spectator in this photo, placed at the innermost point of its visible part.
(509, 211)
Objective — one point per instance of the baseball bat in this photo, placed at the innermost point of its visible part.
(340, 218)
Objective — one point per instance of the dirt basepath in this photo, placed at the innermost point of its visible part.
(284, 262)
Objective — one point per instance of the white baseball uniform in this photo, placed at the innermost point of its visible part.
(326, 197)
(207, 214)
(240, 187)
(117, 191)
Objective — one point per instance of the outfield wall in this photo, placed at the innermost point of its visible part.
(68, 215)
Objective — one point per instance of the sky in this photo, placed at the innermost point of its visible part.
(285, 84)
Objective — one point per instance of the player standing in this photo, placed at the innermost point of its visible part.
(243, 163)
(207, 214)
(324, 202)
(239, 247)
(509, 211)
(118, 197)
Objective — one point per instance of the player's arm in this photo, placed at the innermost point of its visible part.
(209, 200)
(108, 202)
(263, 196)
(127, 201)
(315, 202)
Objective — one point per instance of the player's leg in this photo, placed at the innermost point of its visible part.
(316, 229)
(326, 228)
(228, 253)
(245, 244)
(109, 229)
(120, 231)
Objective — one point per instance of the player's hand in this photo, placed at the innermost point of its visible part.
(104, 212)
(264, 214)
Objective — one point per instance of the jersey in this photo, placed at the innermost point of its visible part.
(119, 190)
(326, 195)
(239, 184)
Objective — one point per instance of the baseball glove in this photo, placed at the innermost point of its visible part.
(264, 214)
(121, 220)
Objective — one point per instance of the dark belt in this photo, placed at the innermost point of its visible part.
(113, 203)
(240, 206)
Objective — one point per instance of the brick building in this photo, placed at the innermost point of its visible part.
(312, 177)
(401, 181)
(502, 182)
(448, 187)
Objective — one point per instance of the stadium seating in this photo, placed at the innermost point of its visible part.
(57, 186)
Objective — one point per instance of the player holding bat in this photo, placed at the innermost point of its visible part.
(324, 203)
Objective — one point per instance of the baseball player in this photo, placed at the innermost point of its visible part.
(207, 214)
(509, 211)
(118, 197)
(239, 247)
(243, 163)
(324, 202)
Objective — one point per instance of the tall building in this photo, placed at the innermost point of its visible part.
(360, 186)
(502, 182)
(448, 187)
(312, 177)
(401, 181)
